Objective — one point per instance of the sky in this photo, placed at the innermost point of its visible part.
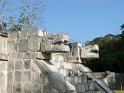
(84, 20)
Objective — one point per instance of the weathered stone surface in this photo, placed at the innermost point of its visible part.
(10, 76)
(90, 51)
(28, 55)
(58, 65)
(46, 88)
(4, 34)
(3, 76)
(47, 47)
(10, 65)
(12, 35)
(34, 43)
(3, 65)
(3, 45)
(18, 76)
(41, 55)
(18, 65)
(23, 45)
(27, 64)
(11, 47)
(17, 88)
(4, 57)
(36, 88)
(20, 55)
(27, 88)
(32, 88)
(26, 76)
(9, 88)
(35, 32)
(24, 34)
(18, 35)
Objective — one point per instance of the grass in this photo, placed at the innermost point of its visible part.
(119, 91)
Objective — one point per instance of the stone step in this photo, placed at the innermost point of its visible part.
(91, 92)
(84, 87)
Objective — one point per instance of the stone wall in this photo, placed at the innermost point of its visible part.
(20, 74)
(23, 74)
(3, 64)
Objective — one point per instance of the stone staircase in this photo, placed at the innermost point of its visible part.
(81, 81)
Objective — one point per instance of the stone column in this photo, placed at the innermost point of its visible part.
(76, 50)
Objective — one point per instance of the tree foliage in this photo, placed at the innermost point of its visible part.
(27, 14)
(111, 53)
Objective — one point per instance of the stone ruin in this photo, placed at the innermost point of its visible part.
(34, 61)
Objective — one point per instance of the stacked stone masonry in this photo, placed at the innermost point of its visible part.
(20, 74)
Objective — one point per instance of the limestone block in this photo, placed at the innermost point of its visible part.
(46, 89)
(18, 76)
(90, 51)
(3, 45)
(20, 55)
(35, 32)
(84, 79)
(4, 57)
(11, 47)
(62, 65)
(34, 43)
(79, 73)
(61, 71)
(18, 35)
(17, 45)
(76, 49)
(60, 48)
(12, 35)
(3, 77)
(23, 45)
(32, 88)
(90, 86)
(9, 88)
(80, 88)
(38, 78)
(3, 65)
(83, 88)
(27, 64)
(64, 72)
(4, 34)
(70, 79)
(10, 65)
(80, 80)
(27, 87)
(26, 76)
(41, 55)
(28, 55)
(76, 80)
(17, 88)
(68, 66)
(63, 36)
(10, 76)
(48, 47)
(24, 34)
(55, 91)
(57, 65)
(57, 57)
(36, 88)
(18, 65)
(72, 72)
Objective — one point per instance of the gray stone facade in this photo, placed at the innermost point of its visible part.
(19, 72)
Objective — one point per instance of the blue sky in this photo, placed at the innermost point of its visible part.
(84, 20)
